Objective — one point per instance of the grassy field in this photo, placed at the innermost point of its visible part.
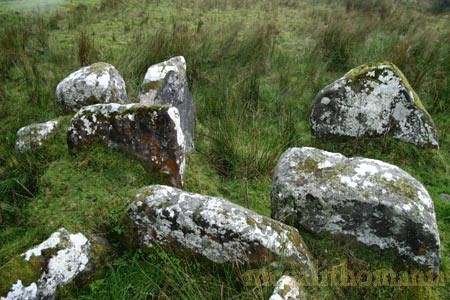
(254, 68)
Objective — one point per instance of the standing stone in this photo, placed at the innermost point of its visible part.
(97, 83)
(373, 100)
(214, 228)
(57, 261)
(166, 83)
(376, 203)
(150, 133)
(35, 135)
(287, 288)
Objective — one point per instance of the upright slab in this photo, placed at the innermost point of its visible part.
(150, 133)
(373, 202)
(166, 84)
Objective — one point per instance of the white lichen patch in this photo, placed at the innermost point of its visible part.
(287, 288)
(213, 227)
(372, 201)
(34, 135)
(98, 83)
(373, 101)
(71, 257)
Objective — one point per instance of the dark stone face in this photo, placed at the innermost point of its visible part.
(150, 133)
(175, 92)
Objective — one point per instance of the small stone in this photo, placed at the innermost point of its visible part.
(368, 200)
(166, 84)
(444, 197)
(287, 288)
(213, 228)
(97, 83)
(373, 100)
(64, 256)
(152, 134)
(35, 135)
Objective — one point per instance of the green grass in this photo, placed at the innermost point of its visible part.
(254, 68)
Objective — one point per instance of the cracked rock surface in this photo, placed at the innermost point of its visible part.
(166, 83)
(213, 228)
(151, 133)
(373, 100)
(97, 83)
(373, 202)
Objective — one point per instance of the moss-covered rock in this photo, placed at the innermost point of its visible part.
(35, 135)
(152, 133)
(373, 100)
(214, 228)
(97, 83)
(41, 271)
(369, 200)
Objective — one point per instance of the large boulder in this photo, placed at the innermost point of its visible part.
(35, 135)
(373, 100)
(97, 83)
(61, 259)
(166, 83)
(150, 133)
(368, 200)
(213, 228)
(287, 288)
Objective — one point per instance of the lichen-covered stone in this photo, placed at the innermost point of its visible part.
(287, 288)
(97, 83)
(61, 258)
(166, 83)
(373, 100)
(369, 200)
(34, 136)
(153, 134)
(213, 228)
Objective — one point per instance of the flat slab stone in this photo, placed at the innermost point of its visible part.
(373, 100)
(35, 135)
(152, 134)
(213, 228)
(97, 83)
(373, 202)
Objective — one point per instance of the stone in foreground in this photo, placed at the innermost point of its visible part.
(368, 200)
(213, 228)
(97, 83)
(287, 288)
(150, 133)
(57, 261)
(373, 100)
(166, 84)
(35, 135)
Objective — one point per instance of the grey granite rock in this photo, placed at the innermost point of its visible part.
(35, 135)
(373, 202)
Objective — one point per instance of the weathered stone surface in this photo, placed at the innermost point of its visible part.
(151, 133)
(214, 228)
(166, 83)
(444, 197)
(33, 136)
(57, 261)
(373, 100)
(97, 83)
(287, 288)
(369, 200)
